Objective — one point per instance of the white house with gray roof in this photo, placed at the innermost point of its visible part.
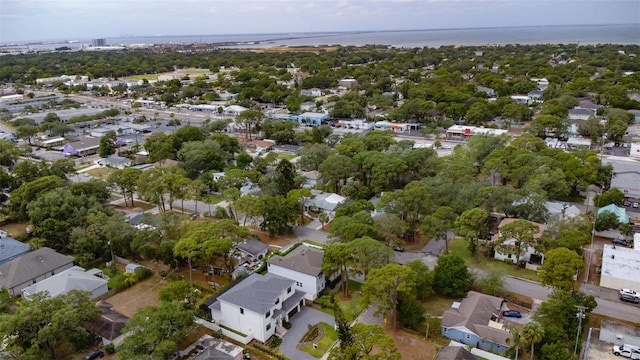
(257, 305)
(304, 265)
(30, 268)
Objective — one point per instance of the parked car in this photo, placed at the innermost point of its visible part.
(617, 241)
(398, 248)
(635, 205)
(626, 350)
(630, 298)
(94, 355)
(630, 292)
(627, 203)
(512, 313)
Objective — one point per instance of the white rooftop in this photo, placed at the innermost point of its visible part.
(621, 262)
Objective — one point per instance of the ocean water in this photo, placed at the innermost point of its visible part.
(604, 34)
(584, 35)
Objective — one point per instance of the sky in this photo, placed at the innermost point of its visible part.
(31, 20)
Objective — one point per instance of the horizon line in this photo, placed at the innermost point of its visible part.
(334, 32)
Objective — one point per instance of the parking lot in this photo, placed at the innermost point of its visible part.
(600, 350)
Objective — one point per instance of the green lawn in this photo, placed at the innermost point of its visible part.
(459, 247)
(212, 199)
(436, 305)
(101, 173)
(141, 77)
(288, 157)
(330, 336)
(353, 307)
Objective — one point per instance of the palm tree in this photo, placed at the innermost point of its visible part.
(515, 341)
(533, 333)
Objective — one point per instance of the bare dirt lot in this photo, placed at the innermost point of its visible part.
(412, 347)
(144, 293)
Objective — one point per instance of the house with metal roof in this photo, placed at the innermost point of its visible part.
(114, 161)
(257, 305)
(304, 265)
(75, 278)
(324, 202)
(619, 212)
(475, 321)
(11, 248)
(31, 268)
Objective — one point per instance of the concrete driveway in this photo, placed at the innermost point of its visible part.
(300, 324)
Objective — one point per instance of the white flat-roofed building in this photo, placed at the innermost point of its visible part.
(626, 175)
(620, 268)
(464, 132)
(11, 98)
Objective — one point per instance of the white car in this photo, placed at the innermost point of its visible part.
(629, 292)
(628, 351)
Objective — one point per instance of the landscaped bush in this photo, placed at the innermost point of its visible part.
(314, 333)
(325, 300)
(270, 352)
(274, 342)
(110, 348)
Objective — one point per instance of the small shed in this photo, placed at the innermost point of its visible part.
(133, 267)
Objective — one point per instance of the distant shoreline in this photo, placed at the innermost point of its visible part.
(257, 38)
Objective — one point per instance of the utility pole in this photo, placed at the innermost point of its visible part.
(580, 315)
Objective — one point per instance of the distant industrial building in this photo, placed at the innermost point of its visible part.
(98, 42)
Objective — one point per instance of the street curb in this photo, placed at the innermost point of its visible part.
(527, 280)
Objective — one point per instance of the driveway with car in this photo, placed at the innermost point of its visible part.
(299, 325)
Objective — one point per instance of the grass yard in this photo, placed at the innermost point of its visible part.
(352, 307)
(287, 157)
(101, 172)
(212, 199)
(328, 338)
(141, 77)
(435, 305)
(459, 247)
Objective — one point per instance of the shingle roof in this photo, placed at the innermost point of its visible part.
(455, 353)
(11, 248)
(474, 314)
(109, 324)
(256, 292)
(303, 259)
(74, 278)
(252, 246)
(31, 265)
